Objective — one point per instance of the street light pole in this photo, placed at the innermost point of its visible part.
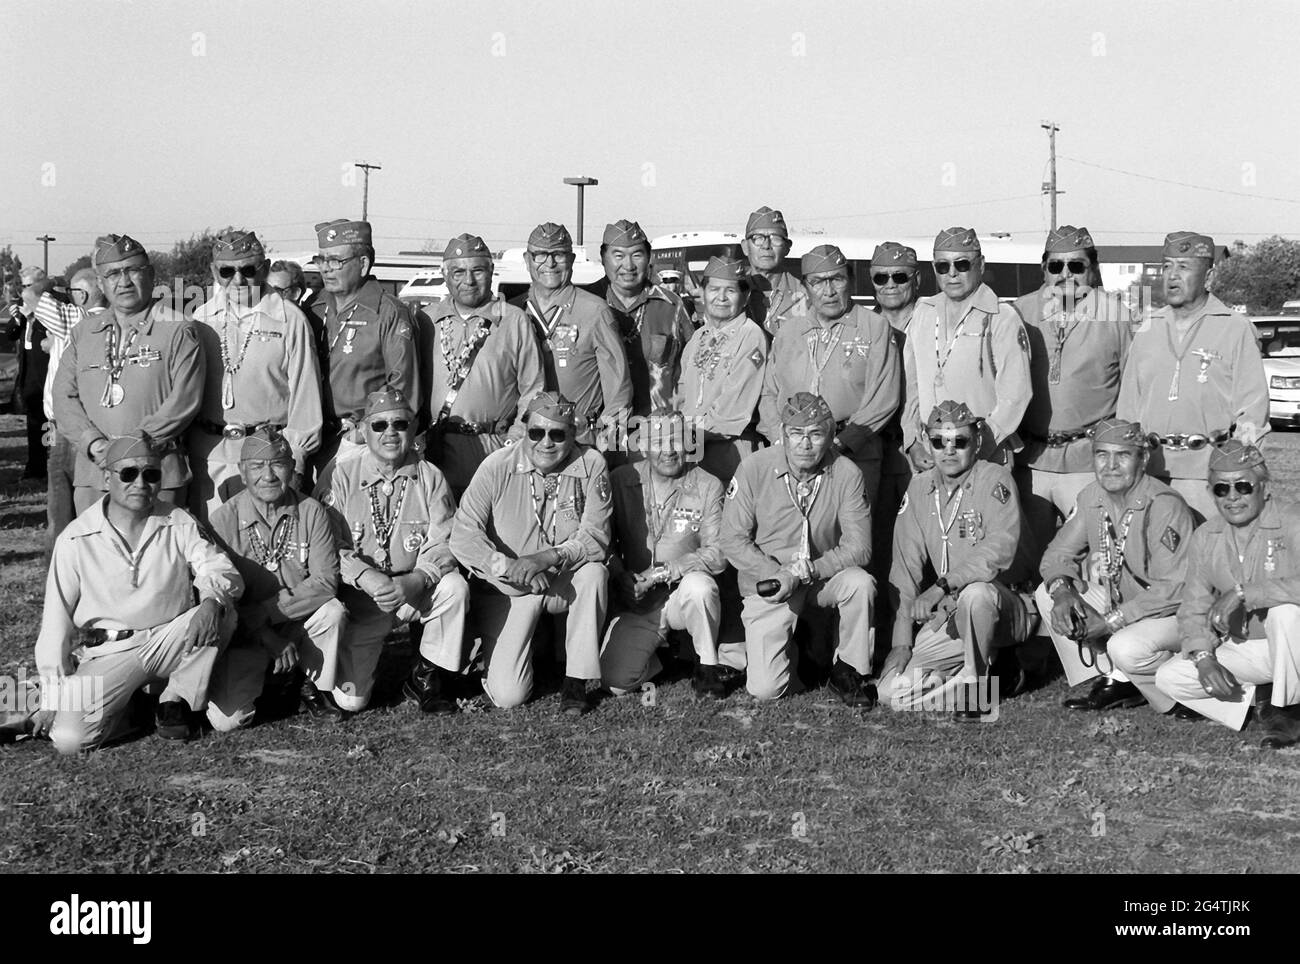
(365, 191)
(581, 183)
(46, 239)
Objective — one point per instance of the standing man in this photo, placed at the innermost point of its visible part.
(485, 366)
(1240, 614)
(26, 330)
(1079, 336)
(137, 368)
(261, 369)
(1113, 576)
(777, 294)
(368, 341)
(288, 619)
(533, 527)
(1194, 375)
(964, 345)
(664, 561)
(582, 354)
(722, 370)
(798, 530)
(842, 352)
(392, 514)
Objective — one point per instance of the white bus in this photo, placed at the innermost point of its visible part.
(392, 271)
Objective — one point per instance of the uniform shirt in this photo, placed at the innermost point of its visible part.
(96, 582)
(852, 362)
(371, 346)
(421, 501)
(1270, 573)
(59, 319)
(985, 360)
(1153, 548)
(582, 355)
(506, 509)
(161, 382)
(682, 532)
(763, 528)
(307, 574)
(655, 328)
(1094, 340)
(277, 379)
(1234, 387)
(505, 370)
(722, 375)
(896, 461)
(771, 303)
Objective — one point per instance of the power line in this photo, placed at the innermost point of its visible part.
(1195, 187)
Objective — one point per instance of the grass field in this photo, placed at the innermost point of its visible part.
(677, 785)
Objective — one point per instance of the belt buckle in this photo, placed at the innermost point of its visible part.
(233, 432)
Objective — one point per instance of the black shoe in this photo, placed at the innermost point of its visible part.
(1106, 694)
(707, 683)
(426, 687)
(174, 720)
(573, 697)
(1184, 713)
(318, 703)
(851, 686)
(730, 677)
(1281, 726)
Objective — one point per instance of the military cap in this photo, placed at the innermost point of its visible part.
(266, 443)
(387, 400)
(1234, 456)
(1188, 244)
(236, 246)
(805, 409)
(551, 405)
(824, 257)
(727, 269)
(949, 415)
(466, 246)
(550, 237)
(766, 219)
(342, 231)
(670, 274)
(957, 240)
(114, 247)
(1068, 238)
(891, 254)
(29, 276)
(1118, 431)
(624, 234)
(130, 447)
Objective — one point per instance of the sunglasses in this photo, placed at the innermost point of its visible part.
(129, 474)
(898, 278)
(380, 425)
(1076, 267)
(961, 266)
(554, 434)
(1243, 487)
(246, 271)
(959, 443)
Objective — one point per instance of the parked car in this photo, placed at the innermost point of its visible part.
(1279, 343)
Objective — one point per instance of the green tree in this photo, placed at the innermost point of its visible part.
(10, 267)
(1261, 277)
(74, 267)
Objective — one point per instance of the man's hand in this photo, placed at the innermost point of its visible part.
(411, 585)
(1068, 611)
(1094, 625)
(1223, 610)
(283, 652)
(626, 586)
(97, 450)
(42, 723)
(1217, 681)
(382, 590)
(919, 455)
(896, 661)
(530, 571)
(923, 606)
(202, 630)
(788, 585)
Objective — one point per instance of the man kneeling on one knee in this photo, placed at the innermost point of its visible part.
(1113, 576)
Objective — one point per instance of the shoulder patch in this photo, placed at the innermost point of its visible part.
(1001, 493)
(327, 498)
(732, 488)
(902, 506)
(404, 330)
(1171, 539)
(1023, 338)
(757, 357)
(602, 487)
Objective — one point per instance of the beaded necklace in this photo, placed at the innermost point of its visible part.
(385, 523)
(269, 556)
(227, 378)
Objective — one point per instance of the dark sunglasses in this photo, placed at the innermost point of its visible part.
(380, 425)
(1243, 487)
(554, 434)
(959, 443)
(961, 266)
(246, 271)
(1076, 267)
(132, 472)
(898, 278)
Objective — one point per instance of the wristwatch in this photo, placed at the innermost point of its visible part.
(1056, 584)
(660, 575)
(1199, 655)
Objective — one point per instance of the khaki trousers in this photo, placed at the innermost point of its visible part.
(1049, 495)
(628, 659)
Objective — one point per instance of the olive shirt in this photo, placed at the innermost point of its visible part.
(655, 327)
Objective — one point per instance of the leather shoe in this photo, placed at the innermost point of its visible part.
(1184, 713)
(1107, 694)
(318, 703)
(1281, 726)
(174, 720)
(426, 687)
(707, 683)
(573, 697)
(852, 687)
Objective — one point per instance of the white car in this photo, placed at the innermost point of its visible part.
(1279, 343)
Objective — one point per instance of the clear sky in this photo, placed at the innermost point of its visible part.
(159, 119)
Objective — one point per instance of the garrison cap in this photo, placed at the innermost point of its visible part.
(342, 231)
(766, 219)
(388, 400)
(624, 234)
(959, 240)
(805, 409)
(130, 447)
(670, 274)
(1234, 456)
(891, 254)
(949, 414)
(551, 405)
(727, 269)
(824, 257)
(466, 246)
(1068, 238)
(115, 247)
(266, 443)
(236, 246)
(1118, 431)
(550, 237)
(1188, 244)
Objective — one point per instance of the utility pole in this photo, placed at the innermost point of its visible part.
(581, 183)
(1049, 186)
(365, 191)
(46, 239)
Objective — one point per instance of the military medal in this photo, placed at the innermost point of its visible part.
(412, 541)
(115, 395)
(270, 555)
(708, 355)
(347, 345)
(1270, 564)
(385, 522)
(831, 338)
(1178, 357)
(115, 361)
(1206, 357)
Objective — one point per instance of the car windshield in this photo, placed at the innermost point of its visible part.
(1279, 341)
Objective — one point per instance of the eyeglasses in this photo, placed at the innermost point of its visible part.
(78, 294)
(961, 266)
(1242, 487)
(938, 443)
(150, 476)
(332, 264)
(541, 257)
(764, 240)
(554, 434)
(897, 277)
(117, 274)
(1056, 266)
(380, 425)
(816, 438)
(830, 281)
(246, 271)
